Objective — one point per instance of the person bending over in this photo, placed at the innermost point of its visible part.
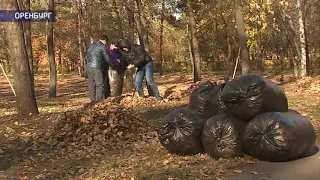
(116, 78)
(138, 57)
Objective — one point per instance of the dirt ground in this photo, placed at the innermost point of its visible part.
(147, 160)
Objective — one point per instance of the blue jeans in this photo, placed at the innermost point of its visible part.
(147, 71)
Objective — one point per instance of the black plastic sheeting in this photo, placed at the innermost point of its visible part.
(180, 132)
(279, 136)
(221, 136)
(213, 104)
(249, 95)
(116, 82)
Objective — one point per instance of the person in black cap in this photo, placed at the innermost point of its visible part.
(138, 57)
(98, 61)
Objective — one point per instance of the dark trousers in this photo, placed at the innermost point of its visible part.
(106, 82)
(96, 84)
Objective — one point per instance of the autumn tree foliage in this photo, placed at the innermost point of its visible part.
(273, 36)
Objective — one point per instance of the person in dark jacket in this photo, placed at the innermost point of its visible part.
(97, 61)
(138, 57)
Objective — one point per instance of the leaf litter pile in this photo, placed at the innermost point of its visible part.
(98, 126)
(93, 129)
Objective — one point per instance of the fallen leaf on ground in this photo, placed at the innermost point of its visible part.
(165, 162)
(238, 171)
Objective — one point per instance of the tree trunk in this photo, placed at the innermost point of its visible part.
(130, 12)
(25, 5)
(27, 30)
(80, 41)
(288, 55)
(190, 50)
(229, 50)
(119, 20)
(242, 38)
(260, 54)
(128, 83)
(89, 19)
(139, 31)
(318, 66)
(260, 44)
(100, 23)
(26, 27)
(227, 60)
(52, 62)
(25, 97)
(302, 40)
(308, 62)
(194, 43)
(161, 37)
(60, 62)
(143, 26)
(5, 56)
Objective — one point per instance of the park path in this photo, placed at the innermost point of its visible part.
(302, 169)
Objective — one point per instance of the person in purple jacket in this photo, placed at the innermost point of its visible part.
(116, 78)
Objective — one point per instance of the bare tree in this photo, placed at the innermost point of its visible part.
(27, 30)
(25, 5)
(259, 42)
(131, 19)
(229, 49)
(119, 20)
(130, 11)
(161, 36)
(80, 36)
(242, 38)
(25, 97)
(142, 26)
(50, 49)
(302, 40)
(194, 43)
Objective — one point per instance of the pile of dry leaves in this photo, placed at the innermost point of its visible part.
(308, 84)
(129, 101)
(99, 123)
(178, 94)
(93, 129)
(304, 84)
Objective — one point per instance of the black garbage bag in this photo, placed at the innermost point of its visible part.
(198, 97)
(279, 136)
(116, 80)
(249, 95)
(180, 132)
(221, 136)
(213, 104)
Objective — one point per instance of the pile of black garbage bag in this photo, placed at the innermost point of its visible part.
(247, 115)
